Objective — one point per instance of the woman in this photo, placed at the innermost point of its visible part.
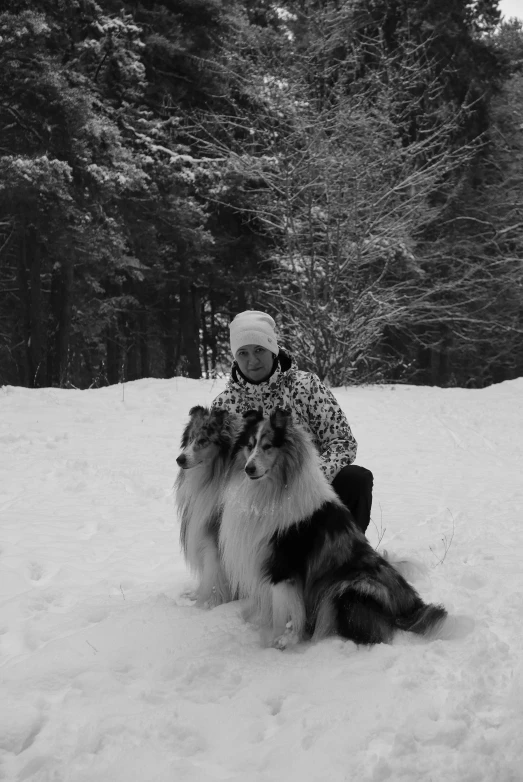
(263, 376)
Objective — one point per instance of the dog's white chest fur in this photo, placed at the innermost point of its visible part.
(243, 534)
(198, 504)
(254, 511)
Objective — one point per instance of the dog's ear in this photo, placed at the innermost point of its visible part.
(218, 415)
(280, 417)
(252, 417)
(198, 411)
(196, 414)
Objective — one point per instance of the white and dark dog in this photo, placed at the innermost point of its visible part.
(291, 547)
(204, 461)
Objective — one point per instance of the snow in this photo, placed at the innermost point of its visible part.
(108, 674)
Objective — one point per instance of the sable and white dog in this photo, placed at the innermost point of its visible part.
(292, 547)
(207, 444)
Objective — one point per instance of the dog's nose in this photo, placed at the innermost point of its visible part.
(180, 461)
(250, 469)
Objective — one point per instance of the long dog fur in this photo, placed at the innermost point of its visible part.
(207, 444)
(292, 547)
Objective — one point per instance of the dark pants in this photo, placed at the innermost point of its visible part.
(353, 485)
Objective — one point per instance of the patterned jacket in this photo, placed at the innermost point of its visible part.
(313, 405)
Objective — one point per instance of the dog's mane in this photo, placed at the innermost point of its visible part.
(297, 486)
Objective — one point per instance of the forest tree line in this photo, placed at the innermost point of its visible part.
(354, 167)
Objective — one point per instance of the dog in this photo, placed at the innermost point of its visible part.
(207, 444)
(291, 547)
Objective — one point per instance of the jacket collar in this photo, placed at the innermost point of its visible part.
(281, 365)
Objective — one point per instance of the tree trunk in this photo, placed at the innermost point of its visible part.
(169, 345)
(37, 337)
(113, 358)
(190, 328)
(65, 321)
(145, 357)
(242, 299)
(23, 285)
(205, 340)
(213, 337)
(131, 349)
(60, 319)
(168, 337)
(31, 298)
(439, 358)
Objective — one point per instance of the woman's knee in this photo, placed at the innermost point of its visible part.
(368, 478)
(361, 475)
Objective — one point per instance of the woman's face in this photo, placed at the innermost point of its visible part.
(255, 362)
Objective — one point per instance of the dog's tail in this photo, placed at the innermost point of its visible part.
(426, 620)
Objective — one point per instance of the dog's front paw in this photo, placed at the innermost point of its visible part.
(211, 600)
(288, 638)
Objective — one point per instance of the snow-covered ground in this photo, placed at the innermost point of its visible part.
(109, 675)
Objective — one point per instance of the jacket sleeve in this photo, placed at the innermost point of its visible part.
(228, 399)
(330, 428)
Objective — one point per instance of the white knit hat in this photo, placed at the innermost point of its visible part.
(253, 328)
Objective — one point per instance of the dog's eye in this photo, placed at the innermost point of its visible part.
(202, 442)
(266, 447)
